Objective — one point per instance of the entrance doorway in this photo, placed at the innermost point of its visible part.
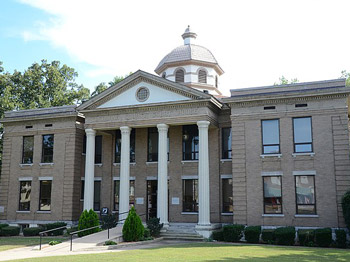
(152, 186)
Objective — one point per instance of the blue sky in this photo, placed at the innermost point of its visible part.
(254, 41)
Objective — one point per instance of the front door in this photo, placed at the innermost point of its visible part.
(152, 186)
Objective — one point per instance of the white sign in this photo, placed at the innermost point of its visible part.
(2, 209)
(175, 201)
(139, 201)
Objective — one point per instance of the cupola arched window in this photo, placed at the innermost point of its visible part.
(216, 82)
(202, 76)
(180, 76)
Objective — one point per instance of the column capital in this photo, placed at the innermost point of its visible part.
(125, 129)
(162, 127)
(90, 132)
(203, 124)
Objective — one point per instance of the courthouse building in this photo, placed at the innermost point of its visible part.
(175, 148)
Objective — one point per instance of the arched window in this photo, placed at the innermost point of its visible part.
(202, 76)
(180, 76)
(216, 81)
(164, 75)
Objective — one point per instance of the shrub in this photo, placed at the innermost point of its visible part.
(340, 238)
(323, 237)
(9, 231)
(285, 236)
(218, 235)
(88, 219)
(306, 237)
(233, 233)
(32, 231)
(110, 243)
(252, 234)
(54, 242)
(3, 225)
(268, 235)
(146, 233)
(58, 232)
(154, 226)
(133, 229)
(346, 208)
(70, 230)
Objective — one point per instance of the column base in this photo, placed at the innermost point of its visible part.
(207, 230)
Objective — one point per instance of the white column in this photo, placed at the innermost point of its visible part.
(124, 173)
(162, 196)
(203, 175)
(89, 169)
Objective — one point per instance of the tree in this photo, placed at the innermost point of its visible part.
(285, 81)
(346, 75)
(118, 79)
(99, 89)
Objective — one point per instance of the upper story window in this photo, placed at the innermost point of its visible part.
(152, 155)
(118, 146)
(302, 128)
(202, 76)
(180, 76)
(226, 143)
(47, 153)
(98, 149)
(28, 148)
(270, 136)
(190, 142)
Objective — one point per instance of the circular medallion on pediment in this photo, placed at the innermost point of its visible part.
(142, 94)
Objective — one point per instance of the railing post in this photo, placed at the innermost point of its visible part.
(108, 232)
(40, 242)
(71, 242)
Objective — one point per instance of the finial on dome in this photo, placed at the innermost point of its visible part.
(189, 36)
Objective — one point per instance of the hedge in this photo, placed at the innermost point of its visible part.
(218, 235)
(268, 235)
(53, 226)
(32, 231)
(341, 238)
(346, 208)
(252, 234)
(233, 233)
(10, 231)
(306, 237)
(285, 236)
(323, 237)
(3, 225)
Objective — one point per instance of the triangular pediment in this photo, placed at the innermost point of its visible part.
(156, 90)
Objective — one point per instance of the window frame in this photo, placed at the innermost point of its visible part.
(195, 204)
(281, 197)
(19, 200)
(32, 151)
(43, 149)
(262, 137)
(182, 76)
(99, 200)
(152, 130)
(222, 144)
(222, 196)
(117, 136)
(312, 138)
(202, 76)
(131, 197)
(194, 153)
(296, 196)
(40, 194)
(96, 155)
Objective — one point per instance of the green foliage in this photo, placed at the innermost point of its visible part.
(58, 232)
(133, 229)
(218, 235)
(32, 231)
(9, 231)
(109, 221)
(118, 79)
(268, 235)
(346, 75)
(154, 226)
(99, 89)
(252, 234)
(285, 236)
(147, 233)
(110, 243)
(233, 233)
(285, 81)
(54, 242)
(3, 225)
(323, 237)
(306, 237)
(88, 219)
(340, 238)
(346, 208)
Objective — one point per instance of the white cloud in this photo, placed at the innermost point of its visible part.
(255, 42)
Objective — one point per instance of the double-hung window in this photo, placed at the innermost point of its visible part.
(98, 149)
(118, 146)
(28, 148)
(25, 189)
(116, 194)
(190, 195)
(302, 128)
(45, 195)
(47, 151)
(226, 143)
(190, 142)
(305, 195)
(272, 194)
(270, 136)
(227, 196)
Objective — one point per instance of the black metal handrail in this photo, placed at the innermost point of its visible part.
(82, 230)
(47, 231)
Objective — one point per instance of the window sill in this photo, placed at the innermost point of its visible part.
(306, 216)
(225, 160)
(152, 163)
(118, 164)
(227, 214)
(303, 154)
(189, 161)
(99, 165)
(189, 213)
(271, 155)
(272, 215)
(46, 164)
(22, 212)
(26, 165)
(43, 212)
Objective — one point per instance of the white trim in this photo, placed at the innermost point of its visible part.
(305, 215)
(225, 176)
(271, 155)
(22, 212)
(272, 215)
(151, 162)
(99, 165)
(227, 214)
(118, 164)
(312, 154)
(272, 173)
(97, 178)
(304, 173)
(45, 178)
(117, 178)
(43, 212)
(152, 178)
(25, 178)
(46, 164)
(189, 177)
(26, 165)
(189, 161)
(189, 213)
(226, 160)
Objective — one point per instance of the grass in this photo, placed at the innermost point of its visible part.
(7, 243)
(210, 252)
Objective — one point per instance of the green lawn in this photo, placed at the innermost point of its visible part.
(14, 242)
(212, 252)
